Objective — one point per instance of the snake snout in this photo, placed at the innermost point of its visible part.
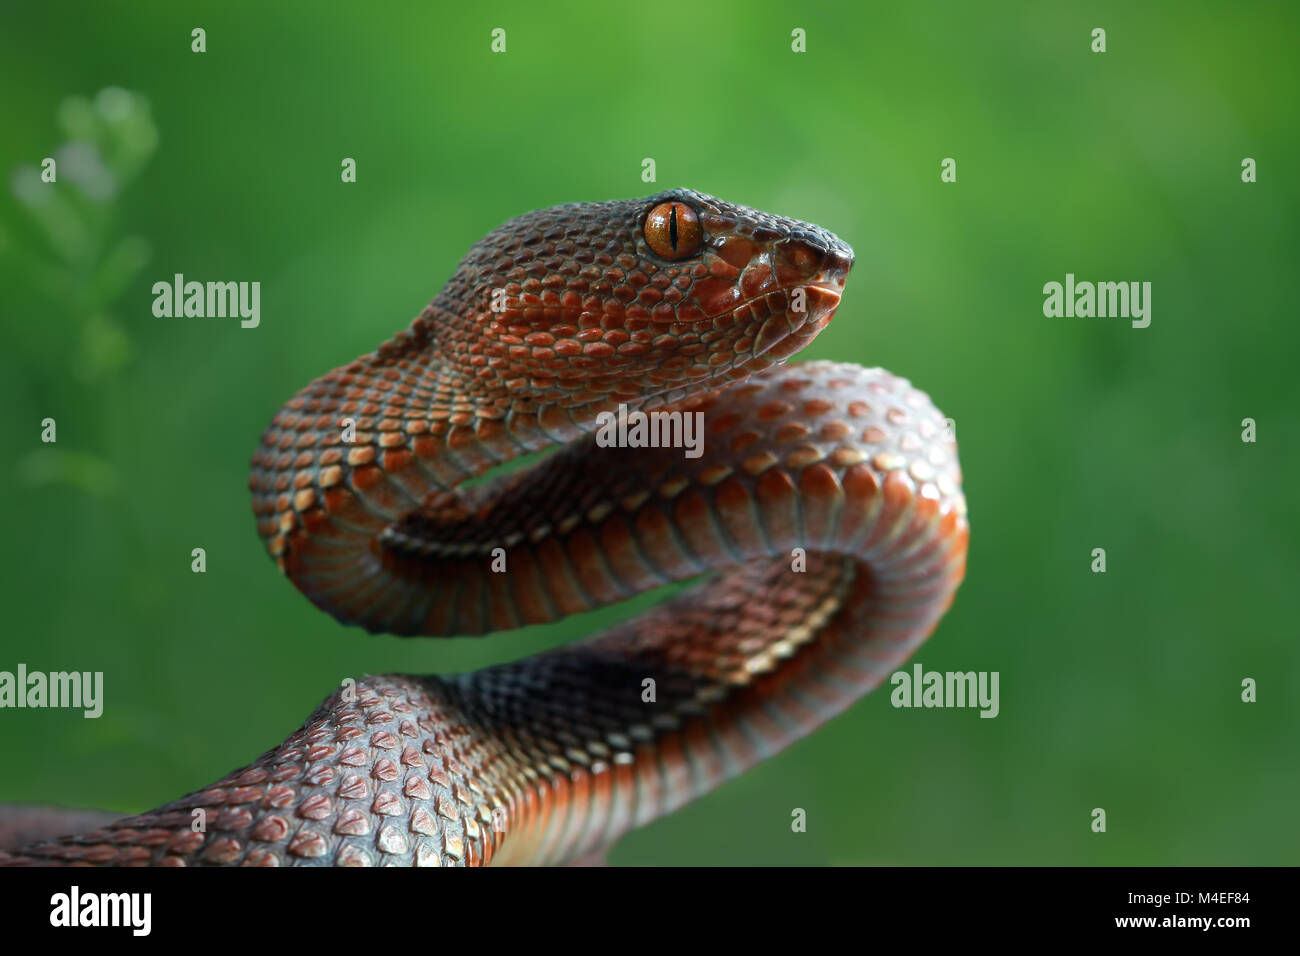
(813, 264)
(836, 264)
(821, 256)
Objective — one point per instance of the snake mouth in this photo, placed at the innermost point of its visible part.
(786, 331)
(829, 289)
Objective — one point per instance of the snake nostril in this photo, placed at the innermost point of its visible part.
(837, 263)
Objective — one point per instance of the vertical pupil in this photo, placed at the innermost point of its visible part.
(672, 228)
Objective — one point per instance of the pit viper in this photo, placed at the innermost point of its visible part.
(822, 533)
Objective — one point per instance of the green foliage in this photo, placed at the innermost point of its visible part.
(75, 260)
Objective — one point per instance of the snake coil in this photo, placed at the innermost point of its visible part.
(825, 519)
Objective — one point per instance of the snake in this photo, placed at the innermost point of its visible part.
(813, 533)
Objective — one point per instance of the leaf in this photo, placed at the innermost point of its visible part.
(49, 466)
(104, 349)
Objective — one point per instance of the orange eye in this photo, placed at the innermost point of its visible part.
(673, 230)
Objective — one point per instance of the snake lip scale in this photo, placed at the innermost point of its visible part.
(824, 530)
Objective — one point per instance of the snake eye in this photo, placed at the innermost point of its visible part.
(673, 230)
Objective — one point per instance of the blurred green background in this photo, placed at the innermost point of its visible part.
(1118, 690)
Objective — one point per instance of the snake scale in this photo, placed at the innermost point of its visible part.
(824, 520)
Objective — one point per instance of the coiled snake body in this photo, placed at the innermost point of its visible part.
(825, 514)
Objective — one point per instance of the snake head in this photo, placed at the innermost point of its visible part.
(639, 299)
